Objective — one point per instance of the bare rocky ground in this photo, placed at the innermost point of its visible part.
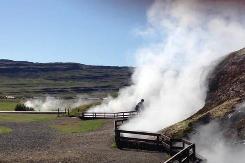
(37, 142)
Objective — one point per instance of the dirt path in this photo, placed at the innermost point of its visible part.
(37, 142)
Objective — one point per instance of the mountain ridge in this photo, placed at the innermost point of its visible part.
(28, 79)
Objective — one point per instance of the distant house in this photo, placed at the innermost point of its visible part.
(10, 97)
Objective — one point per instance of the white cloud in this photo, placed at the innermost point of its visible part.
(171, 74)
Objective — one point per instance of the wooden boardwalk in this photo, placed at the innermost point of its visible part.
(182, 151)
(98, 115)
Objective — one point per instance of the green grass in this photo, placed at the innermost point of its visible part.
(83, 108)
(7, 105)
(5, 130)
(79, 126)
(26, 117)
(114, 145)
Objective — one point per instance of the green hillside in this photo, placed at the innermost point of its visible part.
(27, 79)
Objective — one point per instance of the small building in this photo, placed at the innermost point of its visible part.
(10, 97)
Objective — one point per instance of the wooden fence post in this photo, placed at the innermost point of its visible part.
(158, 143)
(171, 146)
(115, 125)
(187, 153)
(194, 151)
(117, 139)
(58, 112)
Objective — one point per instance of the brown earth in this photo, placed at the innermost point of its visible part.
(37, 142)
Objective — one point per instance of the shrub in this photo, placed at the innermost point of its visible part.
(22, 107)
(83, 108)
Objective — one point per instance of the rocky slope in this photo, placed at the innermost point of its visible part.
(224, 102)
(59, 79)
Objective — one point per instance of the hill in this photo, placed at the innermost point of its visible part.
(27, 79)
(224, 102)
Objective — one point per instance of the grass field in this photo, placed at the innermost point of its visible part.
(26, 117)
(79, 126)
(8, 105)
(5, 130)
(83, 108)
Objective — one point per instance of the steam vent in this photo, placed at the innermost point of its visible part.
(225, 98)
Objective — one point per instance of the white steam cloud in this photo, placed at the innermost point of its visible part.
(171, 73)
(53, 104)
(217, 148)
(214, 147)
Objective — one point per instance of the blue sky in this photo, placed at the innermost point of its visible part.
(97, 32)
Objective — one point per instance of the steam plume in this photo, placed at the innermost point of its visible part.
(171, 73)
(52, 104)
(212, 143)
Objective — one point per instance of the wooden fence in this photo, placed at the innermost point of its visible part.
(98, 115)
(63, 113)
(181, 150)
(184, 153)
(32, 112)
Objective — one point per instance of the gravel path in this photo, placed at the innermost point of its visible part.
(26, 137)
(37, 142)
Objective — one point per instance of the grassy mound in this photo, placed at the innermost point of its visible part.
(83, 108)
(5, 130)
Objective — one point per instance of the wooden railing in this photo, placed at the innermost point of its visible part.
(137, 139)
(184, 153)
(32, 112)
(63, 113)
(181, 150)
(98, 115)
(118, 123)
(140, 140)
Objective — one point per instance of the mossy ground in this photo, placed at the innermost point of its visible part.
(5, 130)
(8, 105)
(82, 108)
(26, 117)
(79, 126)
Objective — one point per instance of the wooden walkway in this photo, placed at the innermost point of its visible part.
(182, 151)
(98, 115)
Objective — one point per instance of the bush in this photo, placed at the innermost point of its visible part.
(83, 108)
(22, 107)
